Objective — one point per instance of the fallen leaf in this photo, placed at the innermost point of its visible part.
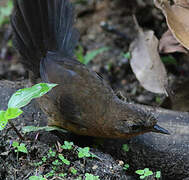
(146, 63)
(177, 15)
(168, 44)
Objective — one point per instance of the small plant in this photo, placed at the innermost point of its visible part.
(125, 167)
(125, 147)
(91, 177)
(44, 159)
(158, 174)
(56, 162)
(127, 55)
(73, 171)
(38, 163)
(65, 161)
(50, 174)
(84, 152)
(85, 59)
(20, 99)
(144, 173)
(62, 174)
(67, 145)
(51, 153)
(19, 147)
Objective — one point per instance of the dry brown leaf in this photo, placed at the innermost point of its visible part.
(177, 16)
(146, 63)
(168, 44)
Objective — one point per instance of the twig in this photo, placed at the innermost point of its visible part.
(16, 130)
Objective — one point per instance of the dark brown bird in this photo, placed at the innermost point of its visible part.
(82, 102)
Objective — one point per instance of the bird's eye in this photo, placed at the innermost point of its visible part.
(136, 127)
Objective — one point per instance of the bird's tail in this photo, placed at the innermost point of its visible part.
(40, 26)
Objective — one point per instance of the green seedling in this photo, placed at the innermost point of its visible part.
(84, 152)
(144, 173)
(56, 162)
(127, 55)
(73, 171)
(20, 99)
(50, 174)
(62, 174)
(51, 153)
(158, 174)
(85, 59)
(44, 159)
(91, 177)
(38, 163)
(125, 147)
(65, 161)
(126, 167)
(19, 147)
(67, 145)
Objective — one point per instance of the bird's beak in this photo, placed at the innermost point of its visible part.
(159, 129)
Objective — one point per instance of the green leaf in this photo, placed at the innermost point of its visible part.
(51, 173)
(125, 147)
(3, 120)
(23, 96)
(62, 174)
(127, 55)
(22, 148)
(126, 166)
(73, 171)
(79, 54)
(158, 174)
(51, 153)
(44, 159)
(56, 163)
(142, 177)
(146, 169)
(67, 145)
(12, 113)
(84, 152)
(27, 129)
(148, 173)
(140, 172)
(15, 144)
(92, 54)
(65, 161)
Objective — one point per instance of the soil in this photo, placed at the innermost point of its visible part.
(113, 67)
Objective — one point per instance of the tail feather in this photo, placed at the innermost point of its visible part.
(43, 25)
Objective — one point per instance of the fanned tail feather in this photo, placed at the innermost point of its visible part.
(40, 26)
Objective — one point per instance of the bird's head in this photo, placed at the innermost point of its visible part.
(133, 120)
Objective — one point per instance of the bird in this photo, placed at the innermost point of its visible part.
(83, 102)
